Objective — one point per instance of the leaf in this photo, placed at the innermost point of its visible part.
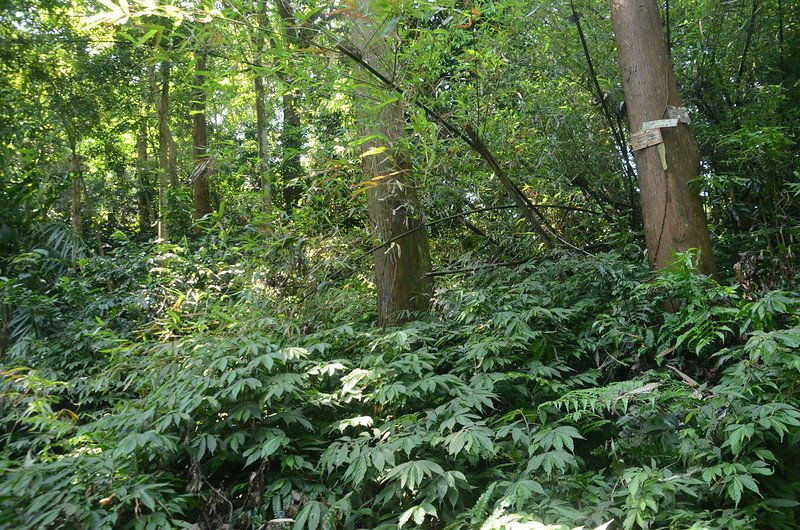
(734, 489)
(737, 436)
(146, 37)
(314, 517)
(211, 443)
(147, 500)
(417, 513)
(272, 445)
(373, 151)
(405, 517)
(390, 26)
(310, 516)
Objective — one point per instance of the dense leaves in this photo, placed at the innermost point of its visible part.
(232, 375)
(559, 391)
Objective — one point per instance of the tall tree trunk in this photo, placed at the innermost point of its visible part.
(164, 150)
(674, 219)
(261, 138)
(292, 130)
(172, 165)
(76, 218)
(292, 142)
(262, 169)
(202, 162)
(143, 177)
(75, 204)
(401, 269)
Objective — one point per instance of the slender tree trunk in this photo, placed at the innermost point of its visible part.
(262, 168)
(75, 204)
(401, 269)
(143, 177)
(76, 218)
(172, 166)
(164, 150)
(261, 138)
(292, 141)
(202, 162)
(674, 219)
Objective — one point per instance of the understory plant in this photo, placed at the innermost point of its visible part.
(567, 391)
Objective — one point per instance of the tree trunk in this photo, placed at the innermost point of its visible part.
(202, 162)
(172, 165)
(262, 167)
(262, 170)
(292, 142)
(292, 130)
(674, 219)
(143, 177)
(75, 204)
(400, 269)
(76, 219)
(264, 183)
(164, 150)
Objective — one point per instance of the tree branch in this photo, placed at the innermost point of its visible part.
(477, 268)
(470, 137)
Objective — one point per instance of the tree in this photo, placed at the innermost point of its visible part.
(166, 165)
(292, 137)
(202, 161)
(262, 166)
(400, 268)
(145, 192)
(667, 159)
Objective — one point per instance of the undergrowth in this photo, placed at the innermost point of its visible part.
(181, 386)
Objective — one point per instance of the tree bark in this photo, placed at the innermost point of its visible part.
(674, 219)
(172, 166)
(471, 137)
(76, 218)
(202, 162)
(75, 204)
(143, 177)
(292, 130)
(292, 142)
(262, 168)
(401, 270)
(165, 148)
(262, 172)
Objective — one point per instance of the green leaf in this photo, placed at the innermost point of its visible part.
(417, 514)
(373, 151)
(734, 489)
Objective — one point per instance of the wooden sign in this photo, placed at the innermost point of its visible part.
(659, 124)
(646, 138)
(679, 113)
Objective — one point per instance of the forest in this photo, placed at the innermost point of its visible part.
(375, 264)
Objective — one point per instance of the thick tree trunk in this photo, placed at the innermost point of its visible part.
(400, 269)
(202, 162)
(165, 148)
(674, 219)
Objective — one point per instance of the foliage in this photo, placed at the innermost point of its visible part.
(559, 392)
(232, 374)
